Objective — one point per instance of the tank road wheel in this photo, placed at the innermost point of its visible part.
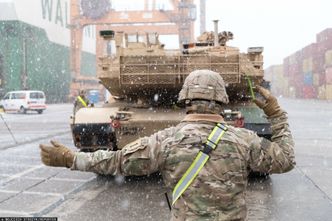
(40, 111)
(23, 110)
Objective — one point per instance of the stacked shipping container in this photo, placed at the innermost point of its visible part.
(308, 72)
(280, 84)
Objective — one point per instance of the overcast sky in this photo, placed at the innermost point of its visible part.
(280, 26)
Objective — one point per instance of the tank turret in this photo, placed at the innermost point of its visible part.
(142, 67)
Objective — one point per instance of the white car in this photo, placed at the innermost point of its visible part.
(23, 101)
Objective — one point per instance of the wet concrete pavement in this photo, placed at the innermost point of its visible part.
(27, 188)
(32, 126)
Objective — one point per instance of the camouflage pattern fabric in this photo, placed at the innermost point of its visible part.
(204, 85)
(218, 192)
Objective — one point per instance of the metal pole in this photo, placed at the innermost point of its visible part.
(216, 40)
(202, 16)
(8, 129)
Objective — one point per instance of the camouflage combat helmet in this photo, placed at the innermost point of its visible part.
(204, 85)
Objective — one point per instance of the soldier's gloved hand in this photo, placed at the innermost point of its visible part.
(56, 155)
(270, 104)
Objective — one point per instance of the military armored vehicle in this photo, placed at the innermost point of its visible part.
(144, 80)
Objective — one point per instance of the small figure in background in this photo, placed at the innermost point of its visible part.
(81, 101)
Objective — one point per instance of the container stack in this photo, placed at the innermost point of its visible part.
(308, 90)
(293, 73)
(275, 74)
(325, 42)
(307, 73)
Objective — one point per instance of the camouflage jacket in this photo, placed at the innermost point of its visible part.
(218, 192)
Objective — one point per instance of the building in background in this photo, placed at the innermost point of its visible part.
(35, 47)
(307, 73)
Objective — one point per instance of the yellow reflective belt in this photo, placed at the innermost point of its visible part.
(82, 101)
(200, 160)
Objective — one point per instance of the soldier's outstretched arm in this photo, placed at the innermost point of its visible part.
(277, 155)
(141, 157)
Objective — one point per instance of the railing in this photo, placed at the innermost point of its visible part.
(174, 69)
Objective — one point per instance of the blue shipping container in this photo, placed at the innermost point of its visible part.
(308, 78)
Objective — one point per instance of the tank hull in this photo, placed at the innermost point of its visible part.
(121, 123)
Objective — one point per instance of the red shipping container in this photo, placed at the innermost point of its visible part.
(309, 51)
(328, 75)
(323, 35)
(322, 47)
(296, 80)
(295, 69)
(309, 92)
(327, 44)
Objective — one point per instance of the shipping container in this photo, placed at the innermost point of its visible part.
(321, 93)
(286, 62)
(286, 70)
(295, 58)
(295, 69)
(298, 56)
(321, 49)
(291, 91)
(328, 75)
(298, 91)
(324, 35)
(318, 64)
(319, 79)
(328, 58)
(325, 45)
(296, 81)
(315, 79)
(325, 92)
(328, 91)
(308, 79)
(286, 88)
(309, 92)
(307, 65)
(309, 50)
(292, 59)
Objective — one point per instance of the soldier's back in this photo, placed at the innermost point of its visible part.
(217, 193)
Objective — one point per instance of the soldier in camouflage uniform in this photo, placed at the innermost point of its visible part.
(218, 192)
(81, 101)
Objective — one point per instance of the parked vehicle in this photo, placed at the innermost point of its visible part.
(23, 101)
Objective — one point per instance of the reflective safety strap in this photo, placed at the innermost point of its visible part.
(200, 160)
(82, 101)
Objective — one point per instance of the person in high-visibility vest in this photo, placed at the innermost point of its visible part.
(203, 161)
(81, 101)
